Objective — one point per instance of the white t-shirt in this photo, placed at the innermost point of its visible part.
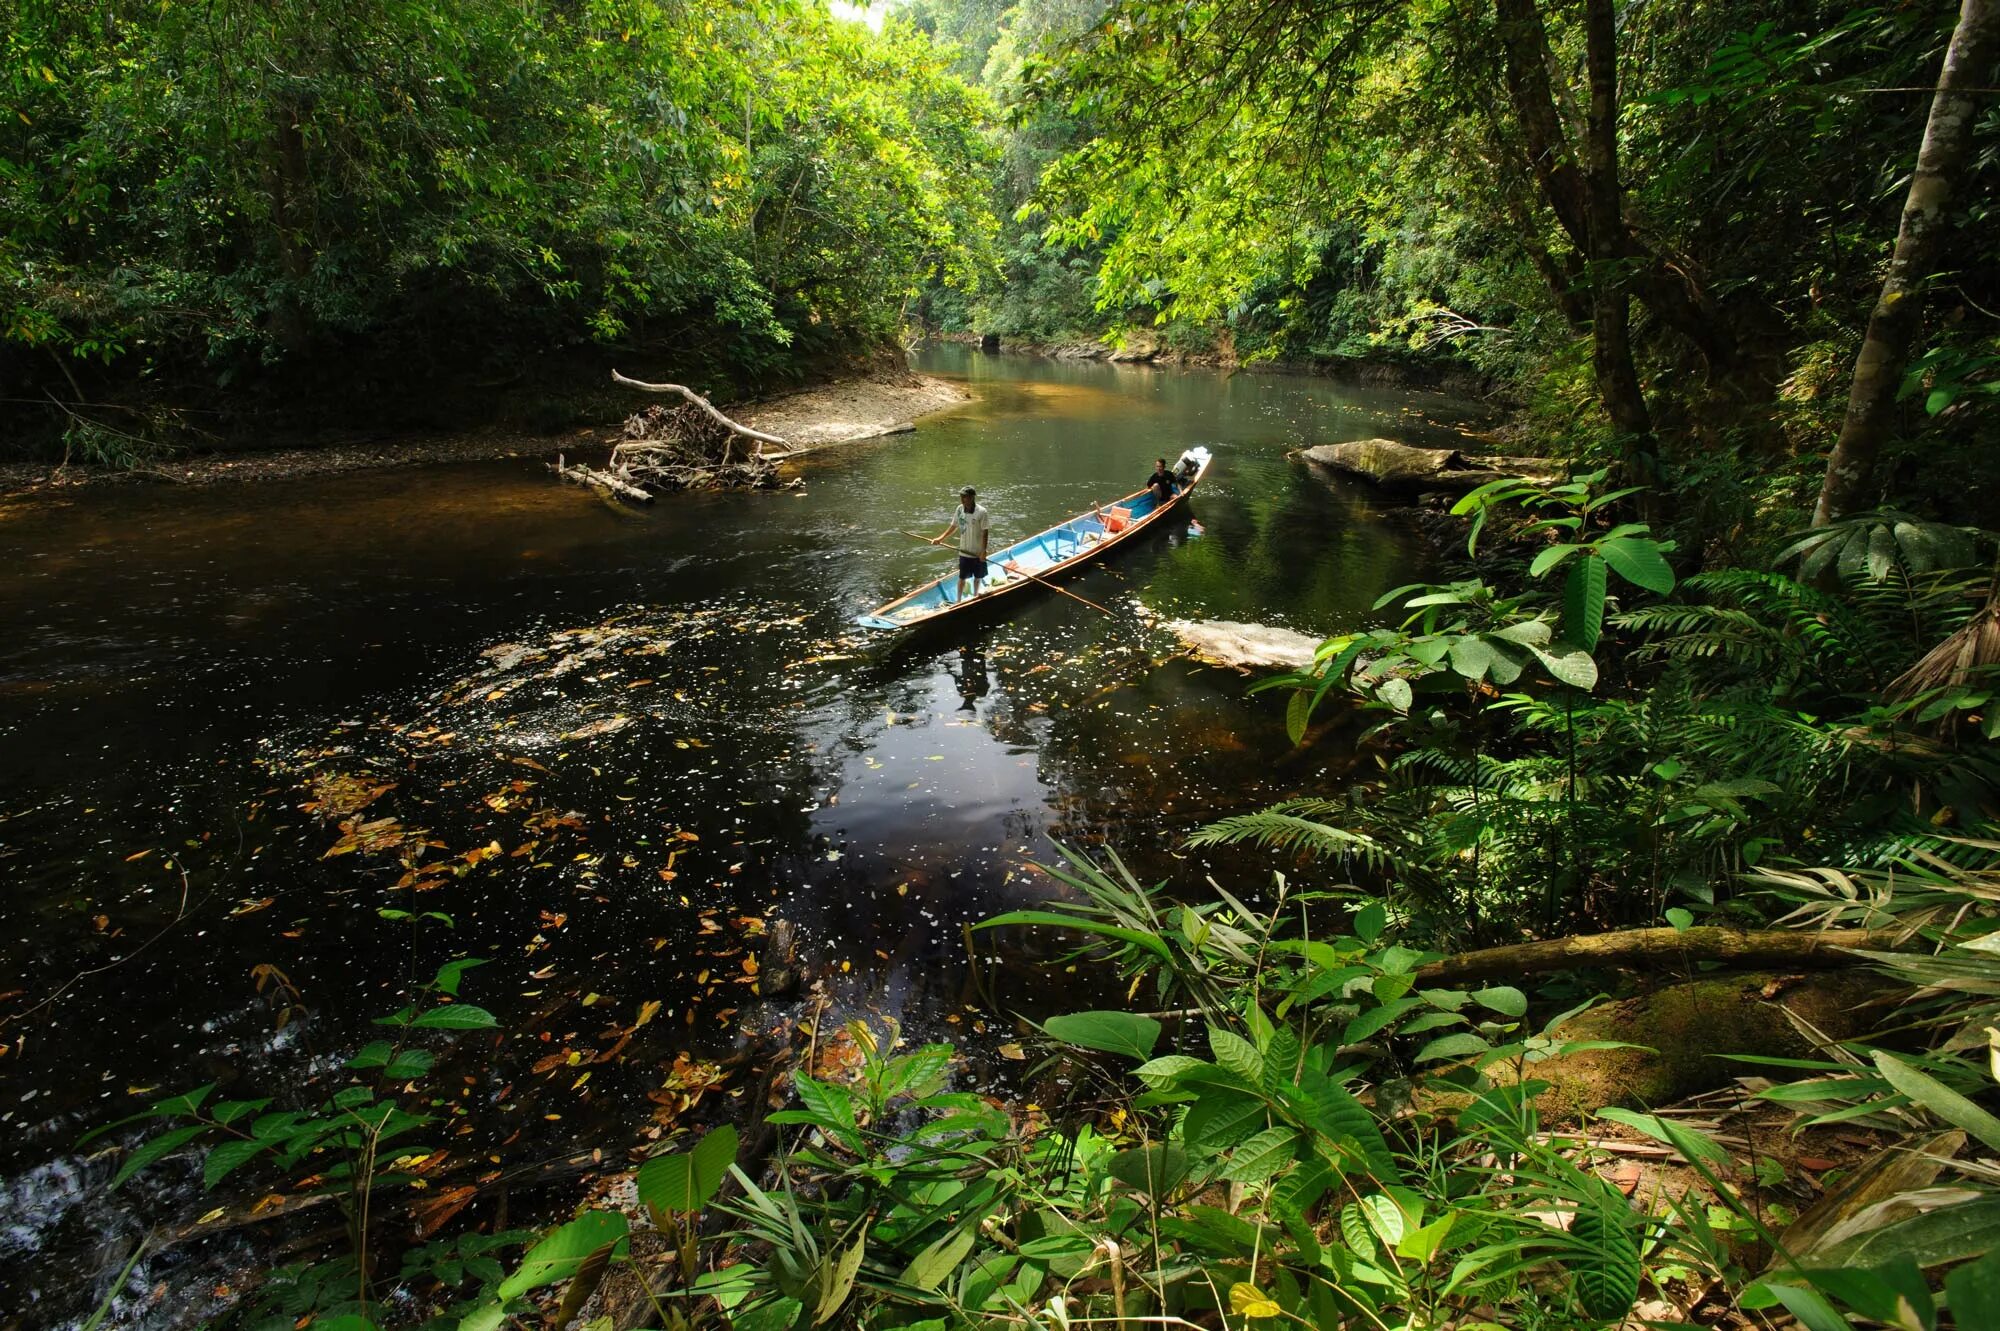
(972, 528)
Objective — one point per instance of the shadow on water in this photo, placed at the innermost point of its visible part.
(613, 749)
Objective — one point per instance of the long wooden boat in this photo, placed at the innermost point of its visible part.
(1048, 554)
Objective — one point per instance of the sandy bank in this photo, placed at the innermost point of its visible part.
(849, 409)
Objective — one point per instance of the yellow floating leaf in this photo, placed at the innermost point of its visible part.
(647, 1011)
(1013, 1050)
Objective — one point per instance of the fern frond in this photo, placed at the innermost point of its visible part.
(1287, 827)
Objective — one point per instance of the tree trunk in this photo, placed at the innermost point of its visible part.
(1610, 303)
(1661, 285)
(1892, 328)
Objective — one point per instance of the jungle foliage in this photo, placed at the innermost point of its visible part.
(391, 194)
(1361, 181)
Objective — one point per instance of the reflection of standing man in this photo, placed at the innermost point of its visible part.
(974, 526)
(972, 681)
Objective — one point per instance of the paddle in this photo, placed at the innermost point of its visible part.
(1016, 568)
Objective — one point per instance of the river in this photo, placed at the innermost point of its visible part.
(609, 746)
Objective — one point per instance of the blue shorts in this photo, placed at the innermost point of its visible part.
(971, 566)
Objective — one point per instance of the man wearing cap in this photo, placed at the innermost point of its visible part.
(975, 532)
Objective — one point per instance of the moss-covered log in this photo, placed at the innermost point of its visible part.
(1652, 949)
(1684, 1031)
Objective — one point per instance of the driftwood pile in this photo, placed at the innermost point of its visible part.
(687, 446)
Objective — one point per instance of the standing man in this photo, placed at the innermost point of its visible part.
(975, 532)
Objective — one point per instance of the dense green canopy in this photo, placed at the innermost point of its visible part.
(206, 194)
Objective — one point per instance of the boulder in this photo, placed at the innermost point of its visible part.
(1399, 466)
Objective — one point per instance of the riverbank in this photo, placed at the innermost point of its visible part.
(842, 410)
(1141, 346)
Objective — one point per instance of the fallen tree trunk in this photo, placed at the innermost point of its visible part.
(707, 406)
(1654, 948)
(1687, 1035)
(1399, 466)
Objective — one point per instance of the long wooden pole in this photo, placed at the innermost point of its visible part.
(1026, 574)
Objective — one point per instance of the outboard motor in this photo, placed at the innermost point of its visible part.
(1185, 469)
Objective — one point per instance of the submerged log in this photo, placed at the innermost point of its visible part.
(1399, 466)
(599, 480)
(1224, 642)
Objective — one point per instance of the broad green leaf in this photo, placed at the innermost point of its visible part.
(1375, 1018)
(1525, 633)
(1384, 1218)
(1502, 998)
(683, 1183)
(1167, 1067)
(1422, 1244)
(228, 1111)
(1638, 560)
(1237, 1054)
(770, 1315)
(1222, 1118)
(164, 1144)
(1395, 691)
(1574, 668)
(929, 1267)
(1583, 603)
(410, 1063)
(374, 1054)
(1973, 1292)
(1453, 1046)
(1471, 657)
(1262, 1156)
(1127, 1033)
(565, 1249)
(1298, 714)
(456, 1017)
(1550, 557)
(226, 1158)
(448, 975)
(1348, 1124)
(1156, 1169)
(1370, 920)
(1811, 1309)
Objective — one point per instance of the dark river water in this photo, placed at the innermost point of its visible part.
(240, 722)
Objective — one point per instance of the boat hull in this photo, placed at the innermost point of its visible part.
(1047, 555)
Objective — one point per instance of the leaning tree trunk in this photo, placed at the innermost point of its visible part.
(1892, 328)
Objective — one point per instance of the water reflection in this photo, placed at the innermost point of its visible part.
(240, 723)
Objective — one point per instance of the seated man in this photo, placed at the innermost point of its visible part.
(1162, 482)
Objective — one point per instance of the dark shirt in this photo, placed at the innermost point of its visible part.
(1163, 481)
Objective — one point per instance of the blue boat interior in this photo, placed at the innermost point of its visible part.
(1038, 554)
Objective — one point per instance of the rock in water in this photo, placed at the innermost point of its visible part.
(1244, 646)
